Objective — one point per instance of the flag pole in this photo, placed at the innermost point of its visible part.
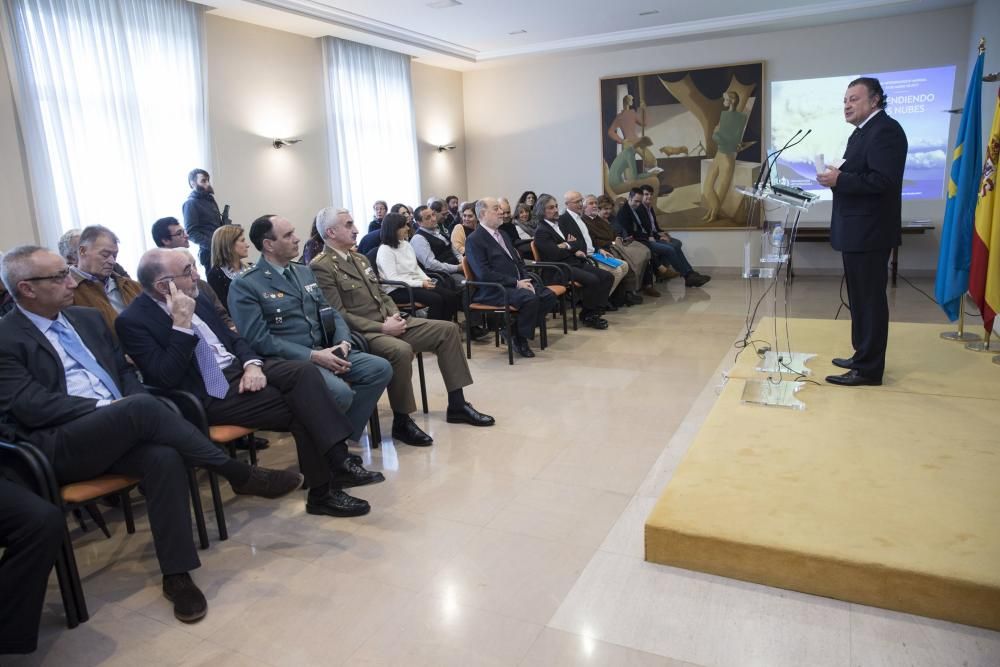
(961, 335)
(981, 346)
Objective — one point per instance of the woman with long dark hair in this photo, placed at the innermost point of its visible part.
(397, 261)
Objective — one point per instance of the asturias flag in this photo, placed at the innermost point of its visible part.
(959, 211)
(984, 277)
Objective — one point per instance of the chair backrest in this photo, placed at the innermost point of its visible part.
(372, 256)
(467, 270)
(535, 255)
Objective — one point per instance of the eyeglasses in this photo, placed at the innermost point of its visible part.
(55, 277)
(178, 233)
(188, 272)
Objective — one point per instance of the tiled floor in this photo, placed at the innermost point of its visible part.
(519, 544)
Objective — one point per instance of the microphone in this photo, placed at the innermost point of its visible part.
(766, 167)
(787, 145)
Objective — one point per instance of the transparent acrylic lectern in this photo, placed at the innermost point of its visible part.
(764, 254)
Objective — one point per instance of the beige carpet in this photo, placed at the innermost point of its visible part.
(887, 496)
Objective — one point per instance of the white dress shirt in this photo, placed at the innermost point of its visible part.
(584, 232)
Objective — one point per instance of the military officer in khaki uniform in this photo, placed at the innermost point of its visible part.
(350, 285)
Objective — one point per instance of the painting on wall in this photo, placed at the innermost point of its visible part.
(694, 135)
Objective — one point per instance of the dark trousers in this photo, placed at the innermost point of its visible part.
(532, 308)
(442, 303)
(31, 531)
(867, 278)
(668, 252)
(295, 399)
(596, 286)
(142, 437)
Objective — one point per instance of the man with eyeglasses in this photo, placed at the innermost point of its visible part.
(66, 388)
(178, 342)
(168, 233)
(99, 285)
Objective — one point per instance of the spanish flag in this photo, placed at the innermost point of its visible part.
(984, 272)
(955, 254)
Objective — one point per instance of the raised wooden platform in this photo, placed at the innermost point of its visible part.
(887, 496)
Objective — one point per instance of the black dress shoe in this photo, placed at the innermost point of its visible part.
(695, 279)
(853, 379)
(632, 298)
(594, 321)
(268, 483)
(469, 415)
(352, 474)
(407, 431)
(522, 348)
(260, 444)
(480, 333)
(337, 503)
(843, 363)
(189, 602)
(610, 308)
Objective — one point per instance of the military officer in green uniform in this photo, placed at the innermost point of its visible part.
(276, 306)
(350, 285)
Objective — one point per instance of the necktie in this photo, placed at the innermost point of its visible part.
(289, 276)
(854, 135)
(496, 235)
(74, 348)
(215, 382)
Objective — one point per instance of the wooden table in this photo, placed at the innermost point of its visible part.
(822, 235)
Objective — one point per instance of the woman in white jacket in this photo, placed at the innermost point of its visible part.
(397, 261)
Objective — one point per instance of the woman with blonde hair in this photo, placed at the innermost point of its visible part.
(229, 250)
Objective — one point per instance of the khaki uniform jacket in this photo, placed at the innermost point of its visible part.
(352, 288)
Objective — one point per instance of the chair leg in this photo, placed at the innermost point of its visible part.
(65, 579)
(126, 504)
(423, 382)
(510, 337)
(220, 511)
(98, 518)
(468, 334)
(75, 585)
(543, 333)
(252, 448)
(199, 513)
(374, 430)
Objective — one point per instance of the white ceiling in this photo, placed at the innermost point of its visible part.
(478, 31)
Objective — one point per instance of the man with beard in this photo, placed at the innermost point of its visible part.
(201, 214)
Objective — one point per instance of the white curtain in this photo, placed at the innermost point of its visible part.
(373, 145)
(110, 100)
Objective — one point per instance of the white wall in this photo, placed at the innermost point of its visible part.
(985, 22)
(536, 124)
(440, 121)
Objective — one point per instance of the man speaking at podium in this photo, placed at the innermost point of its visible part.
(866, 224)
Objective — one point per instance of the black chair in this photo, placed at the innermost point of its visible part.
(566, 282)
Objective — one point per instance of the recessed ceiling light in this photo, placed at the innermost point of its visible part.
(517, 32)
(650, 12)
(443, 4)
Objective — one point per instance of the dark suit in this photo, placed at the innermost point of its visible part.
(201, 219)
(137, 435)
(295, 398)
(596, 283)
(865, 226)
(490, 263)
(640, 224)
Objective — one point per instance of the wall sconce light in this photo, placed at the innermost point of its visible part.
(280, 143)
(446, 147)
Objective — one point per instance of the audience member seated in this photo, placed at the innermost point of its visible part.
(447, 219)
(69, 245)
(571, 222)
(507, 219)
(66, 388)
(168, 233)
(99, 286)
(597, 213)
(528, 198)
(636, 223)
(397, 261)
(370, 241)
(403, 210)
(556, 245)
(350, 285)
(492, 258)
(433, 249)
(229, 253)
(380, 208)
(460, 232)
(178, 342)
(313, 245)
(451, 213)
(31, 534)
(277, 306)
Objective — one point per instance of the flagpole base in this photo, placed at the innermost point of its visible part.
(980, 346)
(962, 337)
